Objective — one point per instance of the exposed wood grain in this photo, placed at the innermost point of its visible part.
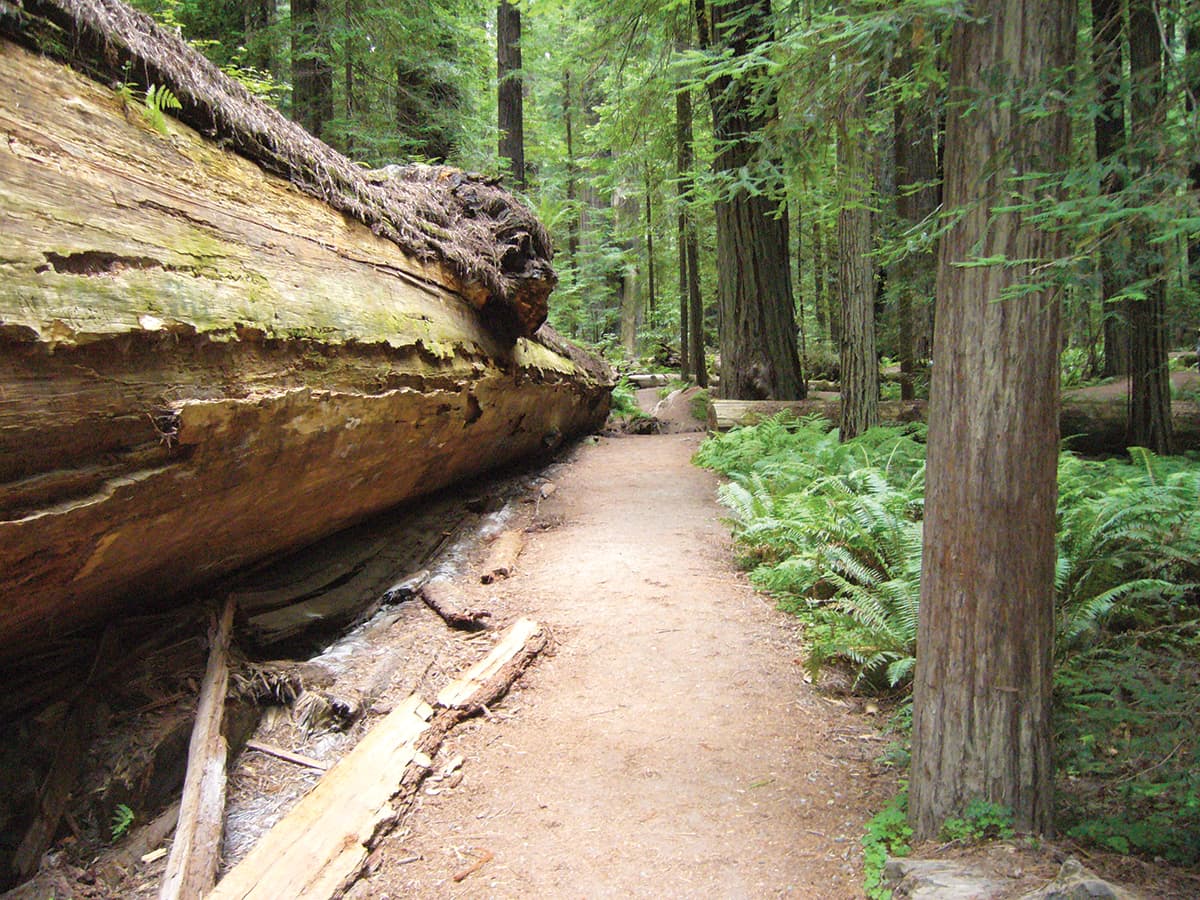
(502, 556)
(196, 850)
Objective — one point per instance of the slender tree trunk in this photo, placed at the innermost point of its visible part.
(916, 201)
(683, 175)
(312, 68)
(1107, 40)
(757, 327)
(856, 281)
(625, 221)
(574, 221)
(510, 101)
(257, 18)
(982, 688)
(1149, 374)
(818, 270)
(800, 290)
(650, 274)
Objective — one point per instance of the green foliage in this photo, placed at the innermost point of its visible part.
(833, 532)
(624, 401)
(698, 406)
(122, 820)
(887, 835)
(981, 820)
(152, 104)
(1127, 713)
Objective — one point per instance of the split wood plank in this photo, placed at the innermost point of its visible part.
(502, 558)
(196, 850)
(321, 845)
(459, 693)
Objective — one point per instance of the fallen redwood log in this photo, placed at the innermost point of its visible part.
(1087, 425)
(203, 365)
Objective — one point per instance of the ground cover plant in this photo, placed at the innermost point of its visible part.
(833, 532)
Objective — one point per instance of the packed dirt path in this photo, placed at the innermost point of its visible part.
(670, 745)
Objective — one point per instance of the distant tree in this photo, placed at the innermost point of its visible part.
(510, 103)
(1149, 420)
(757, 327)
(312, 68)
(982, 687)
(856, 271)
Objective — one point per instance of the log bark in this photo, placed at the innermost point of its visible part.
(319, 848)
(204, 367)
(196, 850)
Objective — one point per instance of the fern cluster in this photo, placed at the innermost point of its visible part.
(833, 531)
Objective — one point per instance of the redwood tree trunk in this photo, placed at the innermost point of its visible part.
(510, 102)
(1107, 40)
(856, 281)
(916, 201)
(573, 222)
(1149, 375)
(981, 703)
(312, 67)
(757, 327)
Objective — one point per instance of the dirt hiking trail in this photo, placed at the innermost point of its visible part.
(668, 745)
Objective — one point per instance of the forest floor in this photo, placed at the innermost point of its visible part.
(670, 745)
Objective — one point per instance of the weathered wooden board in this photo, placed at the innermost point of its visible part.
(323, 841)
(319, 847)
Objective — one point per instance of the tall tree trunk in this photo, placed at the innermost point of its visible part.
(916, 201)
(1107, 41)
(510, 101)
(818, 270)
(574, 219)
(691, 305)
(1149, 374)
(800, 290)
(257, 18)
(757, 327)
(625, 221)
(312, 67)
(651, 288)
(982, 689)
(683, 175)
(856, 281)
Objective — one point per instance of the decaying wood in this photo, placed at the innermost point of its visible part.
(203, 368)
(502, 557)
(466, 691)
(55, 794)
(298, 759)
(440, 596)
(322, 846)
(196, 850)
(114, 866)
(317, 848)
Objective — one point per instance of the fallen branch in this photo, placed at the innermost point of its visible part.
(439, 596)
(485, 857)
(298, 759)
(502, 558)
(195, 852)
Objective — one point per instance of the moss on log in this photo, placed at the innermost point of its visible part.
(201, 366)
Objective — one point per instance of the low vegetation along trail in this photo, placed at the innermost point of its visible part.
(669, 745)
